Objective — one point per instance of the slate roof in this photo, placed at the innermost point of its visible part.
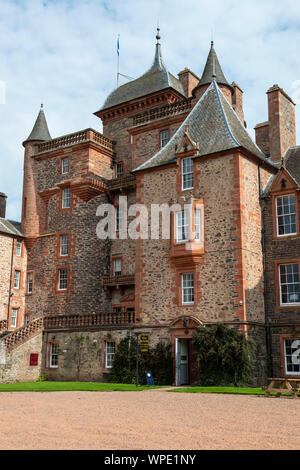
(214, 125)
(155, 79)
(40, 129)
(291, 161)
(10, 227)
(212, 69)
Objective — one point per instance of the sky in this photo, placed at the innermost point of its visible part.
(62, 53)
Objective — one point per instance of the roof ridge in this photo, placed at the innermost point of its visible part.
(224, 114)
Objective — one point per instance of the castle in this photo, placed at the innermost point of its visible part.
(68, 296)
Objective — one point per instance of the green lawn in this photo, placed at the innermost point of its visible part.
(70, 386)
(235, 390)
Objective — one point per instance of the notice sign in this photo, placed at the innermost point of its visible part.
(144, 343)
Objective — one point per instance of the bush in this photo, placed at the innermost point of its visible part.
(223, 356)
(158, 360)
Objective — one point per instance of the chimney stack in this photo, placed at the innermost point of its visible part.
(188, 80)
(237, 102)
(3, 198)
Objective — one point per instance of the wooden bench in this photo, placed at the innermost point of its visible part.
(282, 385)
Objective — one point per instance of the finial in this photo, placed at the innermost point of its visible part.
(158, 36)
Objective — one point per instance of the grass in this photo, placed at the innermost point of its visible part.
(70, 386)
(230, 390)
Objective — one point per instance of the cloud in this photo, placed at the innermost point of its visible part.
(63, 53)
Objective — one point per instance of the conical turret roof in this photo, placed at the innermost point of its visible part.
(40, 129)
(212, 69)
(155, 79)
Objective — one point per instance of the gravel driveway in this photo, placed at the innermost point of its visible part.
(156, 420)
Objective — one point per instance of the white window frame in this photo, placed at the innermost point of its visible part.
(60, 279)
(182, 226)
(110, 352)
(64, 245)
(190, 288)
(287, 283)
(184, 173)
(119, 165)
(53, 354)
(14, 318)
(164, 137)
(64, 168)
(118, 218)
(66, 198)
(17, 279)
(29, 283)
(19, 245)
(289, 214)
(117, 260)
(197, 225)
(294, 358)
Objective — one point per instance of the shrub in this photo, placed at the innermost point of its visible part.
(223, 356)
(158, 360)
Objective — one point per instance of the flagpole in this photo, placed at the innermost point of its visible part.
(118, 59)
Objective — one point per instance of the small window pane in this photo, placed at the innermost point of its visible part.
(286, 215)
(62, 279)
(164, 138)
(289, 283)
(182, 226)
(197, 225)
(109, 353)
(64, 245)
(19, 248)
(17, 279)
(66, 198)
(65, 166)
(187, 286)
(187, 173)
(29, 283)
(53, 355)
(119, 170)
(117, 267)
(292, 356)
(14, 318)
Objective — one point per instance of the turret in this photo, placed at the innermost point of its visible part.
(31, 204)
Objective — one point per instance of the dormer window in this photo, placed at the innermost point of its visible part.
(286, 215)
(187, 171)
(164, 138)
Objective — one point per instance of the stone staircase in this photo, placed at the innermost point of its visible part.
(12, 339)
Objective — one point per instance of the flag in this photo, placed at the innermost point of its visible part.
(118, 45)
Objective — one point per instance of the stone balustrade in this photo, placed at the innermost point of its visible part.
(163, 111)
(76, 138)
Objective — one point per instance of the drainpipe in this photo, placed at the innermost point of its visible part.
(10, 279)
(267, 318)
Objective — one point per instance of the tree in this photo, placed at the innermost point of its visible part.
(224, 356)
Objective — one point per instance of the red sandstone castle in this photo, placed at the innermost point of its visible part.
(166, 140)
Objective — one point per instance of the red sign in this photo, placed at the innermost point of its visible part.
(34, 359)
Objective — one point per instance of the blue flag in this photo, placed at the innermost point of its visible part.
(118, 46)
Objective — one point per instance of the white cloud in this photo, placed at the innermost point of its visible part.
(63, 53)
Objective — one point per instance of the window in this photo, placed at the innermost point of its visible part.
(286, 215)
(109, 353)
(292, 356)
(66, 199)
(65, 166)
(53, 355)
(187, 170)
(64, 245)
(26, 319)
(187, 288)
(19, 248)
(14, 318)
(119, 170)
(29, 283)
(197, 225)
(17, 276)
(182, 226)
(289, 284)
(117, 267)
(118, 218)
(62, 279)
(164, 138)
